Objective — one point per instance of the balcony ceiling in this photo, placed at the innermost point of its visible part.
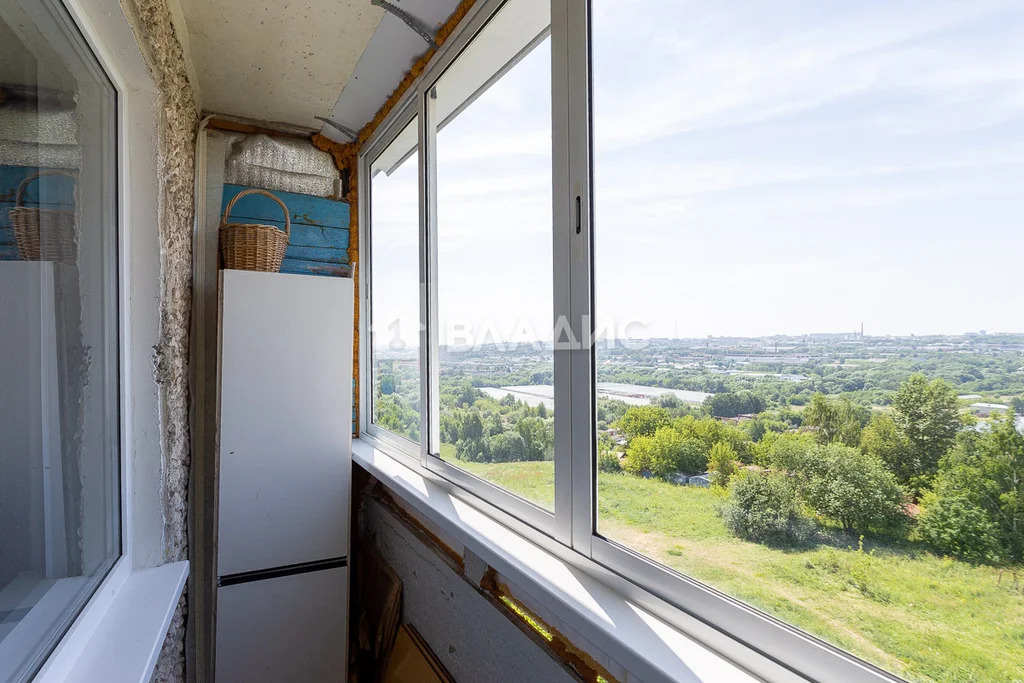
(388, 56)
(288, 61)
(276, 60)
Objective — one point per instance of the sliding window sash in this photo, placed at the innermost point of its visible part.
(576, 198)
(763, 645)
(557, 524)
(393, 442)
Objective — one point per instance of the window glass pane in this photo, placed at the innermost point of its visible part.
(494, 246)
(59, 425)
(808, 257)
(395, 317)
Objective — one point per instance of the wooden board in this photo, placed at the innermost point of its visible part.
(319, 232)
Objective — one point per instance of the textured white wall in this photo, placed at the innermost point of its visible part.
(173, 126)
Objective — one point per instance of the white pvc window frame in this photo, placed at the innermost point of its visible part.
(114, 571)
(754, 640)
(393, 127)
(108, 35)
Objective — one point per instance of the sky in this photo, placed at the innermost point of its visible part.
(760, 168)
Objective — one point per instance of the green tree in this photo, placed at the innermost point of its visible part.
(1002, 466)
(783, 452)
(765, 508)
(722, 464)
(731, 404)
(450, 424)
(539, 438)
(691, 457)
(507, 447)
(393, 413)
(850, 487)
(883, 439)
(643, 420)
(988, 472)
(468, 394)
(835, 420)
(472, 444)
(928, 414)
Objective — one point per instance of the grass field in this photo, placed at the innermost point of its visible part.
(922, 617)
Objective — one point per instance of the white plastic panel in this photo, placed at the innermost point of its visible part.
(285, 419)
(292, 628)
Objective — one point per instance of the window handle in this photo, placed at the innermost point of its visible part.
(579, 216)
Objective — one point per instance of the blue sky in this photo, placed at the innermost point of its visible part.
(761, 168)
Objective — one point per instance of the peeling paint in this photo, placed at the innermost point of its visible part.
(578, 660)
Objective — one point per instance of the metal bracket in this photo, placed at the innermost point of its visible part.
(410, 21)
(345, 130)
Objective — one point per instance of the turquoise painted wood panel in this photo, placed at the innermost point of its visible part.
(319, 232)
(54, 189)
(49, 192)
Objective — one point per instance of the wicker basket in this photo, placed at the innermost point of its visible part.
(253, 246)
(43, 234)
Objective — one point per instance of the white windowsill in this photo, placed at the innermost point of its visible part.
(118, 636)
(640, 642)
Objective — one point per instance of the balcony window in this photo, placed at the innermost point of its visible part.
(394, 313)
(60, 526)
(782, 386)
(494, 255)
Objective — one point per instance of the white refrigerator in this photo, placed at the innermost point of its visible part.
(284, 477)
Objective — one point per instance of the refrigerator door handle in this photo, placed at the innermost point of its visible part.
(277, 572)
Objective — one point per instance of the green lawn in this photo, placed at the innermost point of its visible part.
(920, 616)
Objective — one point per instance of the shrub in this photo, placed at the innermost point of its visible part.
(850, 487)
(765, 508)
(722, 464)
(665, 452)
(953, 525)
(608, 462)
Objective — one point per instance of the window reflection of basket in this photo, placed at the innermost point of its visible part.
(43, 234)
(253, 246)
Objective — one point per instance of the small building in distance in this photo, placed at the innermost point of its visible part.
(986, 409)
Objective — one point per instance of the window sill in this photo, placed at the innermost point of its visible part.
(118, 636)
(641, 643)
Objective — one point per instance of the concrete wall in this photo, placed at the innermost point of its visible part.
(176, 125)
(471, 636)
